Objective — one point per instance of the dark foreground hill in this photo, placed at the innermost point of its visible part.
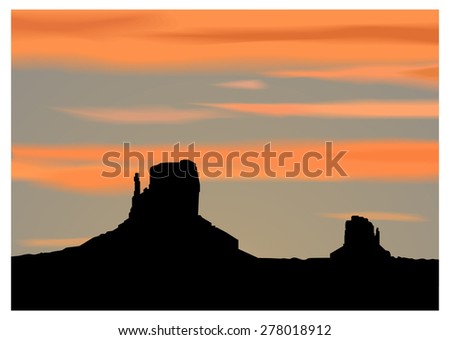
(167, 257)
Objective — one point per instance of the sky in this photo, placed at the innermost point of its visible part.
(86, 82)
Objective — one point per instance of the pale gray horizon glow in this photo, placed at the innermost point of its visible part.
(270, 219)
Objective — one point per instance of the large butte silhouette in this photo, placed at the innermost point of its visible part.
(165, 256)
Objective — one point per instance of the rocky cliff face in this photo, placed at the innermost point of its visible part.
(174, 190)
(361, 243)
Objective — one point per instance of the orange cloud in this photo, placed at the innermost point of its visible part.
(244, 84)
(379, 216)
(367, 109)
(426, 73)
(202, 39)
(141, 115)
(53, 243)
(418, 34)
(79, 168)
(84, 23)
(419, 75)
(79, 23)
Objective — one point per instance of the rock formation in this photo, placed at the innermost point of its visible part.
(360, 242)
(165, 256)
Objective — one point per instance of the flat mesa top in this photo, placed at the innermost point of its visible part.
(184, 169)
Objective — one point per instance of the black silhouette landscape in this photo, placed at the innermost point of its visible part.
(165, 256)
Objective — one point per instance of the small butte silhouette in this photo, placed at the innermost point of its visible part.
(165, 256)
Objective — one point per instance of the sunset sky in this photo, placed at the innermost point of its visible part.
(86, 82)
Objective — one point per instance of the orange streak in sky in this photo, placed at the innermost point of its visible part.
(172, 39)
(79, 168)
(141, 115)
(244, 84)
(378, 216)
(419, 75)
(407, 109)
